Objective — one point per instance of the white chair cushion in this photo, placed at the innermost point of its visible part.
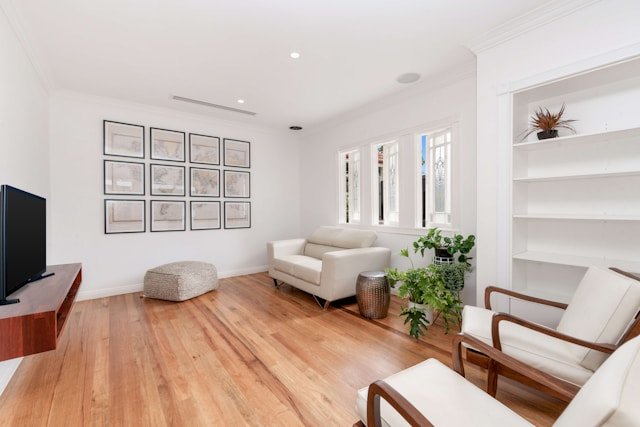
(343, 238)
(601, 309)
(543, 352)
(610, 397)
(444, 397)
(317, 251)
(300, 266)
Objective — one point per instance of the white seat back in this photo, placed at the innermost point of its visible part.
(611, 396)
(602, 308)
(329, 239)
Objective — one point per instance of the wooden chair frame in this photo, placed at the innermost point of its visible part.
(526, 374)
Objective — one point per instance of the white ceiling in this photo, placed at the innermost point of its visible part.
(221, 50)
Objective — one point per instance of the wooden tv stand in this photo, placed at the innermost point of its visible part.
(36, 323)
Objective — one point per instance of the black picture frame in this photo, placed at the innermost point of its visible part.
(152, 219)
(167, 159)
(104, 139)
(191, 159)
(212, 202)
(144, 216)
(104, 176)
(226, 209)
(235, 196)
(225, 155)
(191, 181)
(152, 183)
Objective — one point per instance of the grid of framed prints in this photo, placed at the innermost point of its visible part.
(125, 180)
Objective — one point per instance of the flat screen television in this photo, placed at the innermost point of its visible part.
(23, 240)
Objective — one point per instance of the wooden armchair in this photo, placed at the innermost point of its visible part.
(603, 314)
(431, 394)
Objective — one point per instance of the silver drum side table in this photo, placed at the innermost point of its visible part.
(373, 294)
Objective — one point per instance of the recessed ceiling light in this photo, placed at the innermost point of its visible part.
(240, 101)
(295, 127)
(408, 78)
(294, 55)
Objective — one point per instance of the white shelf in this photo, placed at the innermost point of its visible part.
(577, 176)
(546, 294)
(608, 136)
(578, 217)
(577, 260)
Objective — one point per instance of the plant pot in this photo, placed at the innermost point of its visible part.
(443, 253)
(428, 311)
(548, 134)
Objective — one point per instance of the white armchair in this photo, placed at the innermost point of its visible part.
(327, 263)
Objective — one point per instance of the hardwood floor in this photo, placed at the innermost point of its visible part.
(246, 354)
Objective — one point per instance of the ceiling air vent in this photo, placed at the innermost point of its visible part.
(209, 104)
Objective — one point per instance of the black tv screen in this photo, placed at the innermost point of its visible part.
(23, 239)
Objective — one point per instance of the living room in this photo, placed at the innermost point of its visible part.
(268, 157)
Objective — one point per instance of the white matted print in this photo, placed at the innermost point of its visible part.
(167, 180)
(167, 145)
(237, 184)
(205, 182)
(123, 178)
(237, 214)
(237, 153)
(204, 149)
(123, 139)
(167, 215)
(205, 215)
(124, 216)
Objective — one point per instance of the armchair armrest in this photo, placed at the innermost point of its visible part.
(491, 289)
(285, 247)
(409, 412)
(504, 317)
(559, 386)
(341, 268)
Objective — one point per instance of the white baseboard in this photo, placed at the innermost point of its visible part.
(7, 369)
(128, 289)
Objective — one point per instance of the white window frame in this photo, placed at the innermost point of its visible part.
(391, 151)
(355, 186)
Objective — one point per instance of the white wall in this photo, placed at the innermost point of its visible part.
(419, 107)
(598, 29)
(24, 131)
(117, 263)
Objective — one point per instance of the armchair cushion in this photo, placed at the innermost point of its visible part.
(303, 267)
(343, 237)
(601, 309)
(543, 352)
(443, 396)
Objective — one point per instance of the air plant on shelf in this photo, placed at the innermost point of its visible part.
(547, 123)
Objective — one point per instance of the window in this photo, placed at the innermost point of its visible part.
(435, 178)
(350, 187)
(386, 189)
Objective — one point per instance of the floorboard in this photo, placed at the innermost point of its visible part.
(246, 354)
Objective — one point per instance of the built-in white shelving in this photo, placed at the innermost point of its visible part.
(595, 137)
(595, 175)
(577, 260)
(578, 217)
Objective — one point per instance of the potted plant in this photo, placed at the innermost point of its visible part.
(547, 124)
(444, 246)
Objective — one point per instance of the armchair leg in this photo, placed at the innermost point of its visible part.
(456, 354)
(492, 378)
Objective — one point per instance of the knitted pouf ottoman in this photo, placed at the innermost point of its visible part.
(180, 281)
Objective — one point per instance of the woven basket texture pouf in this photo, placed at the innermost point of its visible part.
(180, 281)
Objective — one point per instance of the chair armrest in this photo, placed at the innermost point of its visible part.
(561, 387)
(409, 412)
(490, 289)
(504, 317)
(340, 269)
(285, 247)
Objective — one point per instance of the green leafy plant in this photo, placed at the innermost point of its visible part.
(453, 245)
(453, 274)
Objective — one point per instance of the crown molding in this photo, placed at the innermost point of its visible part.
(542, 15)
(40, 66)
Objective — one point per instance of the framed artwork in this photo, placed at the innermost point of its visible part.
(123, 178)
(122, 139)
(168, 215)
(237, 184)
(237, 154)
(167, 145)
(205, 182)
(167, 180)
(205, 215)
(204, 149)
(237, 214)
(124, 216)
